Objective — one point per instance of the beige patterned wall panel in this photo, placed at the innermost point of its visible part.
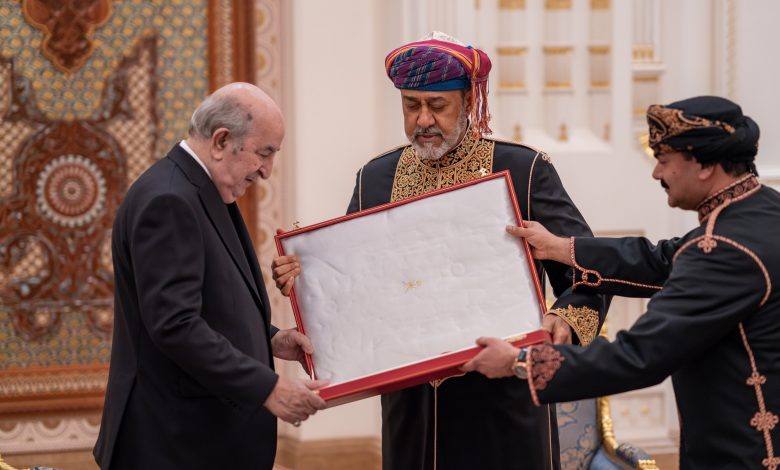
(271, 194)
(92, 92)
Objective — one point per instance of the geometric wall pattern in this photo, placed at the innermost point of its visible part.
(182, 64)
(92, 92)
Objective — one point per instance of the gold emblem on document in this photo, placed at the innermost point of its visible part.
(412, 284)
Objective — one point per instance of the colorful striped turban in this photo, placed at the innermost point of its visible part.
(437, 65)
(711, 128)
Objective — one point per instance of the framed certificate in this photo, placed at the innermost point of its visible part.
(396, 295)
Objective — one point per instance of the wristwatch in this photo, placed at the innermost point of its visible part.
(520, 368)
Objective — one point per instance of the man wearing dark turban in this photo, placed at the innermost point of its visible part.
(713, 320)
(469, 422)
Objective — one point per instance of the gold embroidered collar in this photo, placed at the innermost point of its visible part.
(471, 159)
(735, 190)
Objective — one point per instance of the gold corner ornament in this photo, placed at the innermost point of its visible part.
(296, 225)
(412, 284)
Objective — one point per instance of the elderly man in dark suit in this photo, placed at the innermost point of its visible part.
(192, 383)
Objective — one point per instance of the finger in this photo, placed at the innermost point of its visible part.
(516, 231)
(284, 269)
(303, 341)
(469, 366)
(282, 260)
(287, 287)
(314, 385)
(558, 337)
(282, 280)
(283, 274)
(482, 341)
(561, 334)
(310, 402)
(318, 403)
(279, 231)
(313, 405)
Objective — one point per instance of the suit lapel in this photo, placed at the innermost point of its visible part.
(254, 267)
(220, 218)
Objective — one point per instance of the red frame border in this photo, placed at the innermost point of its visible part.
(439, 367)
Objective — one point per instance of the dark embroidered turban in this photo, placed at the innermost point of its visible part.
(711, 128)
(440, 65)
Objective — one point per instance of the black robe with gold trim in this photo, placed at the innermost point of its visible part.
(472, 422)
(713, 322)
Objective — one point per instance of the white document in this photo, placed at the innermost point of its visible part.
(408, 283)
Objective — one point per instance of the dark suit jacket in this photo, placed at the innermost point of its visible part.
(191, 363)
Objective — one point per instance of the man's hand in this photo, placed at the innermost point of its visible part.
(291, 345)
(294, 400)
(558, 328)
(284, 269)
(496, 360)
(543, 244)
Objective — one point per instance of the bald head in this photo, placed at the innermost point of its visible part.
(236, 132)
(237, 107)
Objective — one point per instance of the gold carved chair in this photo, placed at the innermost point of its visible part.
(587, 439)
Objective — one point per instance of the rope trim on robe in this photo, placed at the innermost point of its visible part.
(599, 279)
(764, 421)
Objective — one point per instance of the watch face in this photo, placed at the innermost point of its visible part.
(520, 371)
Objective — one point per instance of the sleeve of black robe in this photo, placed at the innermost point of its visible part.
(629, 267)
(701, 302)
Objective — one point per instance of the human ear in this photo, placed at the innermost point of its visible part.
(219, 139)
(706, 172)
(467, 100)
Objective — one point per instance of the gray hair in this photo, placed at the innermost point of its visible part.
(220, 111)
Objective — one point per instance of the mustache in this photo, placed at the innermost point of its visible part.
(428, 130)
(664, 185)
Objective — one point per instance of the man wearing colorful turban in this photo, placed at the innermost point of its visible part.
(713, 320)
(469, 422)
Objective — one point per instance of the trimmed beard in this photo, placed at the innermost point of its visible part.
(427, 152)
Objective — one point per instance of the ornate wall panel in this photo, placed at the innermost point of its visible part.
(270, 192)
(92, 92)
